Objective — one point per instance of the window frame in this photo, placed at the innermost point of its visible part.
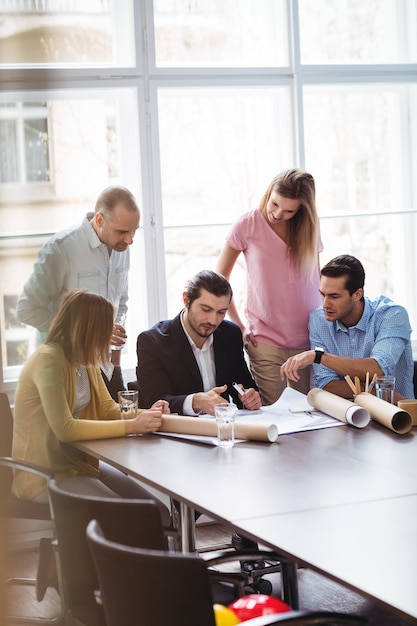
(146, 78)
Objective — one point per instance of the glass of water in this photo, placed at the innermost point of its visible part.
(128, 403)
(384, 388)
(121, 320)
(225, 419)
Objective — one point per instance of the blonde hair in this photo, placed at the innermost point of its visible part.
(83, 327)
(303, 228)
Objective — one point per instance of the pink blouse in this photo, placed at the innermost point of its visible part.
(279, 296)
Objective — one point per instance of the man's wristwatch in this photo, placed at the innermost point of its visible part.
(319, 354)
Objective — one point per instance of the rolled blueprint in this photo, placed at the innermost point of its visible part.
(206, 426)
(338, 407)
(387, 414)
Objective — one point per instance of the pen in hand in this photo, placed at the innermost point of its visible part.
(238, 389)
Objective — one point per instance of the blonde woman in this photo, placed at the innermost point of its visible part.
(61, 398)
(280, 241)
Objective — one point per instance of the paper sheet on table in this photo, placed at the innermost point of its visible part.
(291, 413)
(206, 439)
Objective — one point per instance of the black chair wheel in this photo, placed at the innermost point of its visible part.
(261, 586)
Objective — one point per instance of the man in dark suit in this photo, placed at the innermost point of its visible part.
(193, 360)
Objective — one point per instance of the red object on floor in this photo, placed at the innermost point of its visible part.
(255, 605)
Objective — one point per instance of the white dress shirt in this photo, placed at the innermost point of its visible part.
(205, 361)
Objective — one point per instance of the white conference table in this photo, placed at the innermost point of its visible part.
(339, 500)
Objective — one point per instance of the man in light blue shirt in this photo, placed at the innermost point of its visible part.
(352, 335)
(93, 256)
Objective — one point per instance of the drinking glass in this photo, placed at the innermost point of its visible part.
(128, 403)
(225, 419)
(384, 388)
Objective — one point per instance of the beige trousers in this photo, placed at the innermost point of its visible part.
(265, 362)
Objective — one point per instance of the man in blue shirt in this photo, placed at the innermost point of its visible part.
(351, 334)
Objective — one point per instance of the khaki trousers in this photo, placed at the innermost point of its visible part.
(265, 362)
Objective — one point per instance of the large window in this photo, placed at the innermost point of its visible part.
(195, 105)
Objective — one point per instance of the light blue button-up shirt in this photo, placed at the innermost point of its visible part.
(73, 258)
(383, 333)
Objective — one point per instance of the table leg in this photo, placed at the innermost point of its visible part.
(289, 583)
(183, 519)
(187, 528)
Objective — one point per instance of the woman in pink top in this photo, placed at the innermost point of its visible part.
(280, 241)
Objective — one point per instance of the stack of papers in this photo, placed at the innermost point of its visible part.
(291, 413)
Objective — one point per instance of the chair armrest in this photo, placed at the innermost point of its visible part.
(7, 461)
(217, 558)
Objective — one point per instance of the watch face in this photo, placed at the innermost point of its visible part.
(319, 354)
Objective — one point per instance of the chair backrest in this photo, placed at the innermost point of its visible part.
(6, 437)
(134, 522)
(142, 587)
(6, 426)
(11, 506)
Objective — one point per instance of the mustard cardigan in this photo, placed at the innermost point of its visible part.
(44, 424)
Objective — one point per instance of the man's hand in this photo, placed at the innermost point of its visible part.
(297, 362)
(204, 401)
(119, 336)
(161, 405)
(250, 399)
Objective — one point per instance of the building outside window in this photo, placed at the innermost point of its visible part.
(195, 106)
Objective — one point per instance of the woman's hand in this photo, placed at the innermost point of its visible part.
(248, 337)
(146, 422)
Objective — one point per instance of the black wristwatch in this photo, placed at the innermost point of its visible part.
(319, 355)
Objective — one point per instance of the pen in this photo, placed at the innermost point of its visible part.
(238, 389)
(372, 383)
(350, 383)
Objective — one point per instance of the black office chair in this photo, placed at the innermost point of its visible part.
(12, 508)
(136, 522)
(140, 587)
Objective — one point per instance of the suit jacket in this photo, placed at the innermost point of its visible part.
(167, 368)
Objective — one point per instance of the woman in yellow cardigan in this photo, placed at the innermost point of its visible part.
(61, 397)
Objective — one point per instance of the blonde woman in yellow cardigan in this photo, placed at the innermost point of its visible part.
(61, 398)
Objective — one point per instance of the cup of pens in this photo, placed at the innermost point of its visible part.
(356, 386)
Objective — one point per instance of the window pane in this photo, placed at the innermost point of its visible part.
(219, 150)
(354, 31)
(36, 150)
(358, 149)
(82, 32)
(9, 166)
(236, 33)
(385, 246)
(88, 132)
(356, 139)
(188, 251)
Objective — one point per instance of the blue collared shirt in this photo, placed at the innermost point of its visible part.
(382, 333)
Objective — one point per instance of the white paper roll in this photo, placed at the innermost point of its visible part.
(338, 407)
